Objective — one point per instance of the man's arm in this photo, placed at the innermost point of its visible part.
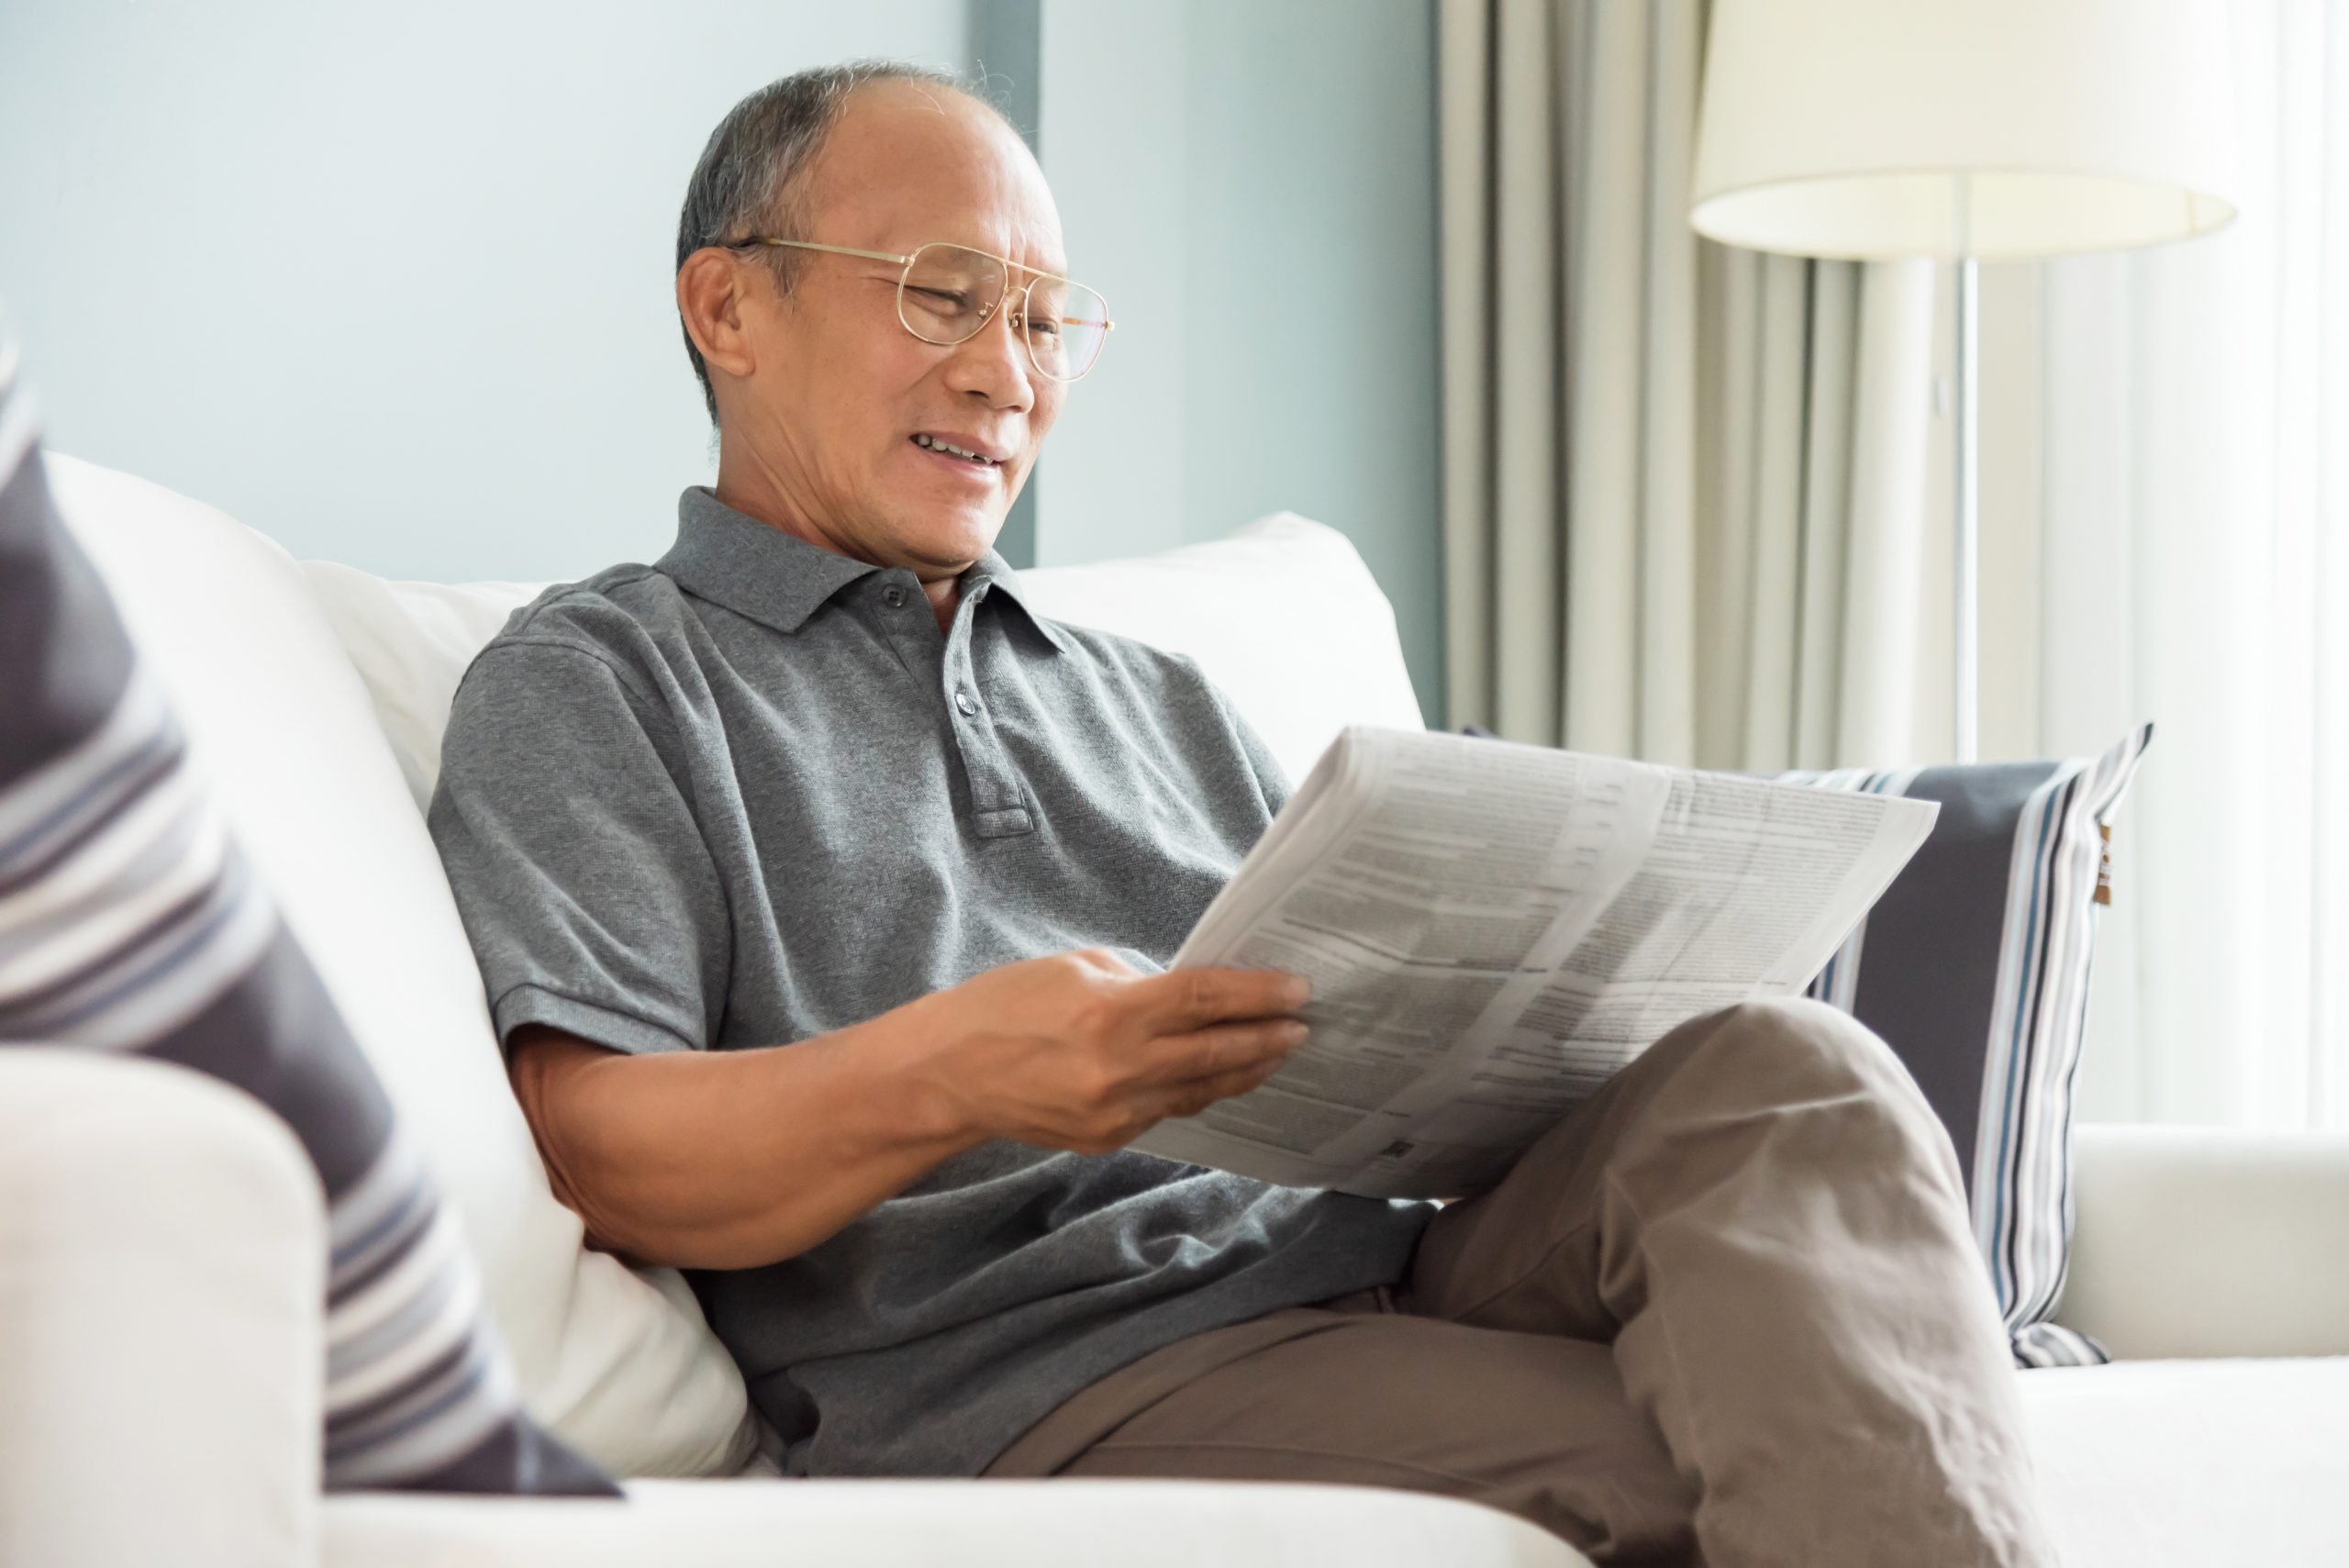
(734, 1159)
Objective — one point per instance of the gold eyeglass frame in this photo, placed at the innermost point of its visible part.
(987, 312)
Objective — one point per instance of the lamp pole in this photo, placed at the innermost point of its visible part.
(1966, 627)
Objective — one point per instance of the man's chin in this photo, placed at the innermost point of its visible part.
(946, 537)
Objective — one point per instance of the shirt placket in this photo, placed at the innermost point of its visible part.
(998, 808)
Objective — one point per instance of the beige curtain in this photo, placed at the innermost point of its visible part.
(1684, 483)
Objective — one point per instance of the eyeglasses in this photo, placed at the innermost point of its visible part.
(948, 293)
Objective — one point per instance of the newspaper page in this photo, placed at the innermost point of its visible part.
(1492, 930)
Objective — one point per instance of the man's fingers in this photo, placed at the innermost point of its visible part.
(1191, 1099)
(1221, 1048)
(1182, 1000)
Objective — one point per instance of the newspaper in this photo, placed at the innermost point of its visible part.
(1492, 930)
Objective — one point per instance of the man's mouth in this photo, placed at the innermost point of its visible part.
(945, 448)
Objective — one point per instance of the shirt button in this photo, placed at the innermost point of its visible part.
(893, 596)
(965, 702)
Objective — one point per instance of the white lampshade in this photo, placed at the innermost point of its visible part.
(1995, 129)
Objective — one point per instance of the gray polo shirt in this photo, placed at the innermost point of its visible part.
(751, 793)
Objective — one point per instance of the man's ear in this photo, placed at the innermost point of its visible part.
(709, 297)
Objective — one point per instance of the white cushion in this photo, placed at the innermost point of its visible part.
(2211, 1241)
(1281, 613)
(621, 1364)
(917, 1524)
(2193, 1463)
(411, 643)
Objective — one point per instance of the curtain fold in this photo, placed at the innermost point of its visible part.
(1673, 469)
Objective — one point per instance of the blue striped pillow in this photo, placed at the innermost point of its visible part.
(1973, 966)
(130, 923)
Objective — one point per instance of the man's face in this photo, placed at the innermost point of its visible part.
(828, 419)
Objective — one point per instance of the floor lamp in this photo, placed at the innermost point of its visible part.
(1965, 130)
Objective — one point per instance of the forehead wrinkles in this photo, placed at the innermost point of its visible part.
(903, 168)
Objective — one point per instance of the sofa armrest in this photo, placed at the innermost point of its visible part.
(2210, 1241)
(161, 1275)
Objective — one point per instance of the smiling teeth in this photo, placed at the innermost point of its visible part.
(936, 445)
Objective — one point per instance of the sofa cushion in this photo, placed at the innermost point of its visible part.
(621, 1364)
(1281, 613)
(2192, 1463)
(1973, 966)
(411, 642)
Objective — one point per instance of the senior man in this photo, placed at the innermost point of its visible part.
(819, 889)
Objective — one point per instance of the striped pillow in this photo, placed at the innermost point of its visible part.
(1973, 966)
(130, 923)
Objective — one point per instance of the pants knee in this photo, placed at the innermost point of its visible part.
(1807, 1042)
(1794, 1050)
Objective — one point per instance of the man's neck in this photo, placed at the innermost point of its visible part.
(751, 488)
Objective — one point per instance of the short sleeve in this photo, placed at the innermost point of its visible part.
(579, 871)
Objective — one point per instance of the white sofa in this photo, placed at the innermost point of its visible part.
(158, 1236)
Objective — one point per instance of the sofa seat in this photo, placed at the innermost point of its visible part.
(917, 1524)
(2142, 1464)
(2206, 1464)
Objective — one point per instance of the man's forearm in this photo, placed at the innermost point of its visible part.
(730, 1160)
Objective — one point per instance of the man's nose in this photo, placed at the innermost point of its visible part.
(992, 362)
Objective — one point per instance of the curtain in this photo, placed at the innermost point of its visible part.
(1684, 483)
(2194, 568)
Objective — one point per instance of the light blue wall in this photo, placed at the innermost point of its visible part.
(389, 282)
(392, 283)
(1253, 185)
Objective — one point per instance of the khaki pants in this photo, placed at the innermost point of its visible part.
(1727, 1312)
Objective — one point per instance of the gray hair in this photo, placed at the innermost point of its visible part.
(751, 174)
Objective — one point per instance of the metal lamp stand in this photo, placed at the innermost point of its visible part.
(1966, 630)
(1965, 639)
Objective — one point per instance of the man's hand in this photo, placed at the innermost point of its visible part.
(1082, 1051)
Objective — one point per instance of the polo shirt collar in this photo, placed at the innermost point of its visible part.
(991, 574)
(780, 580)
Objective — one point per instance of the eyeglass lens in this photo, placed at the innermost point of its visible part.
(949, 293)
